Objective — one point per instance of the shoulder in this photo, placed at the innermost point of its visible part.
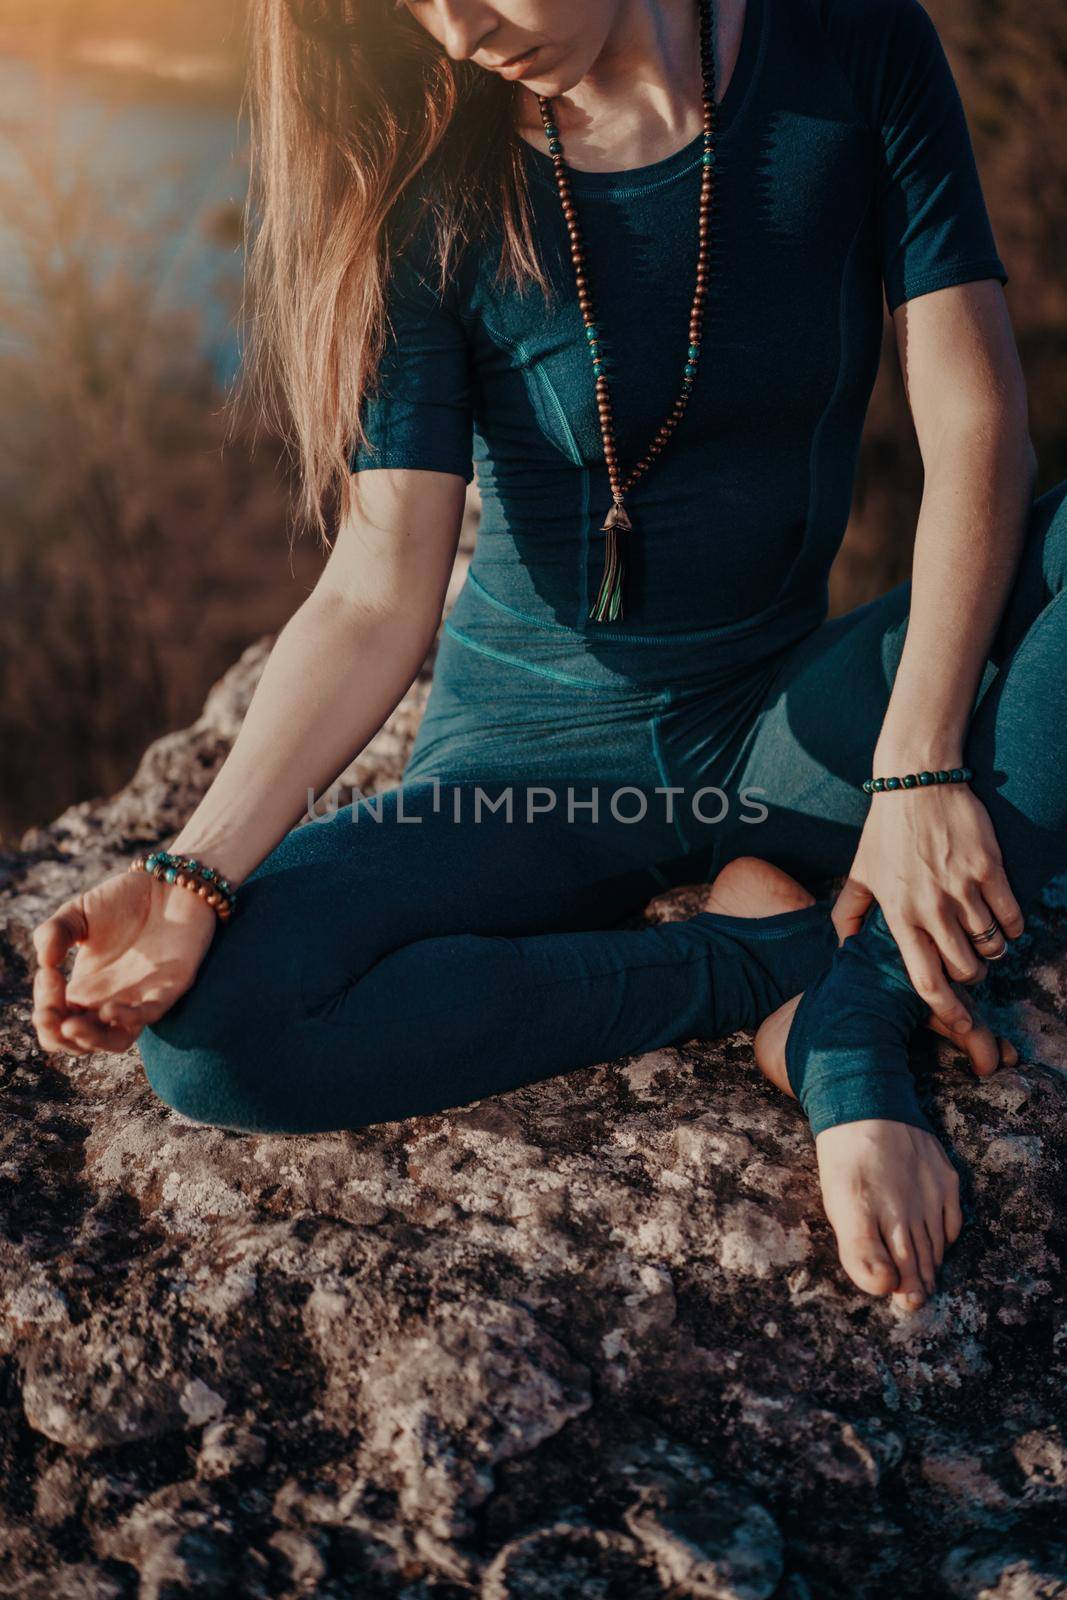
(878, 45)
(869, 21)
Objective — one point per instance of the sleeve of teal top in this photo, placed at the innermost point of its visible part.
(418, 410)
(932, 223)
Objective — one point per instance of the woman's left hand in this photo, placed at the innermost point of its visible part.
(930, 858)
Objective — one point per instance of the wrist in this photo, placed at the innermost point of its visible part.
(178, 904)
(898, 756)
(190, 875)
(227, 862)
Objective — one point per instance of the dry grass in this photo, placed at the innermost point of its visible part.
(140, 550)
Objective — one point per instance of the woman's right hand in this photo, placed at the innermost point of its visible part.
(139, 943)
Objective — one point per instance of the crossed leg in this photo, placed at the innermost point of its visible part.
(379, 969)
(841, 1046)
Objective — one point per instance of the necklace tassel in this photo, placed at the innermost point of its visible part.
(608, 606)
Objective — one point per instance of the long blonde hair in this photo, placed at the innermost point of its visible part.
(354, 112)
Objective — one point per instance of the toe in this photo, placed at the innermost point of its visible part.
(953, 1218)
(910, 1292)
(935, 1230)
(924, 1255)
(951, 1211)
(868, 1262)
(983, 1048)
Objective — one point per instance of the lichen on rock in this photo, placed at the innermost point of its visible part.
(588, 1339)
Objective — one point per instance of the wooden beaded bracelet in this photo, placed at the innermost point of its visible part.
(188, 873)
(918, 780)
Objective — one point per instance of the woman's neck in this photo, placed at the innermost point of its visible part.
(641, 100)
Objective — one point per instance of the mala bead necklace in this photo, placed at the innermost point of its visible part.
(608, 606)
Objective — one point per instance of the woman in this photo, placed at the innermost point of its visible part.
(657, 218)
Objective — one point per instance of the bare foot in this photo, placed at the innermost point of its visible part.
(748, 886)
(890, 1192)
(892, 1198)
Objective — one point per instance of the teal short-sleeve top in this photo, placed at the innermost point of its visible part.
(845, 181)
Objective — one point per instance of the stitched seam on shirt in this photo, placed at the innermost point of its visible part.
(422, 459)
(691, 637)
(631, 190)
(526, 666)
(539, 377)
(947, 273)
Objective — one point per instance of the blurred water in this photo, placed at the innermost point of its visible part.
(164, 166)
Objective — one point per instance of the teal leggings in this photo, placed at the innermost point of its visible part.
(464, 933)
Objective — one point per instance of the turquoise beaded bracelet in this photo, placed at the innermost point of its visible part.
(918, 780)
(188, 873)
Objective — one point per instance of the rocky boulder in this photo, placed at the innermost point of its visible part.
(589, 1339)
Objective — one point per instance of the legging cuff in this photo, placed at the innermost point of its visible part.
(758, 963)
(847, 1049)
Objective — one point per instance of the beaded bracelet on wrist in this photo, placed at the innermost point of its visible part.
(918, 780)
(188, 873)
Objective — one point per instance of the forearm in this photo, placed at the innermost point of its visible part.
(975, 507)
(335, 673)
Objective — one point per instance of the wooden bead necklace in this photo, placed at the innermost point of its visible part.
(608, 606)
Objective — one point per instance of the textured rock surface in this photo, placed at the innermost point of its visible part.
(588, 1339)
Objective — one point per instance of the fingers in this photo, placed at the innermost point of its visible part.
(929, 978)
(67, 926)
(62, 1026)
(975, 916)
(86, 1033)
(950, 928)
(997, 894)
(983, 1048)
(985, 1051)
(49, 1007)
(849, 908)
(125, 1013)
(52, 941)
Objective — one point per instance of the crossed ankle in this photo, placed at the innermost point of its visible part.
(757, 963)
(846, 1052)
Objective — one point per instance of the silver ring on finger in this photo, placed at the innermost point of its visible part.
(986, 933)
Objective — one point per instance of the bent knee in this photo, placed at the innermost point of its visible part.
(207, 1085)
(230, 1069)
(247, 1078)
(222, 1054)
